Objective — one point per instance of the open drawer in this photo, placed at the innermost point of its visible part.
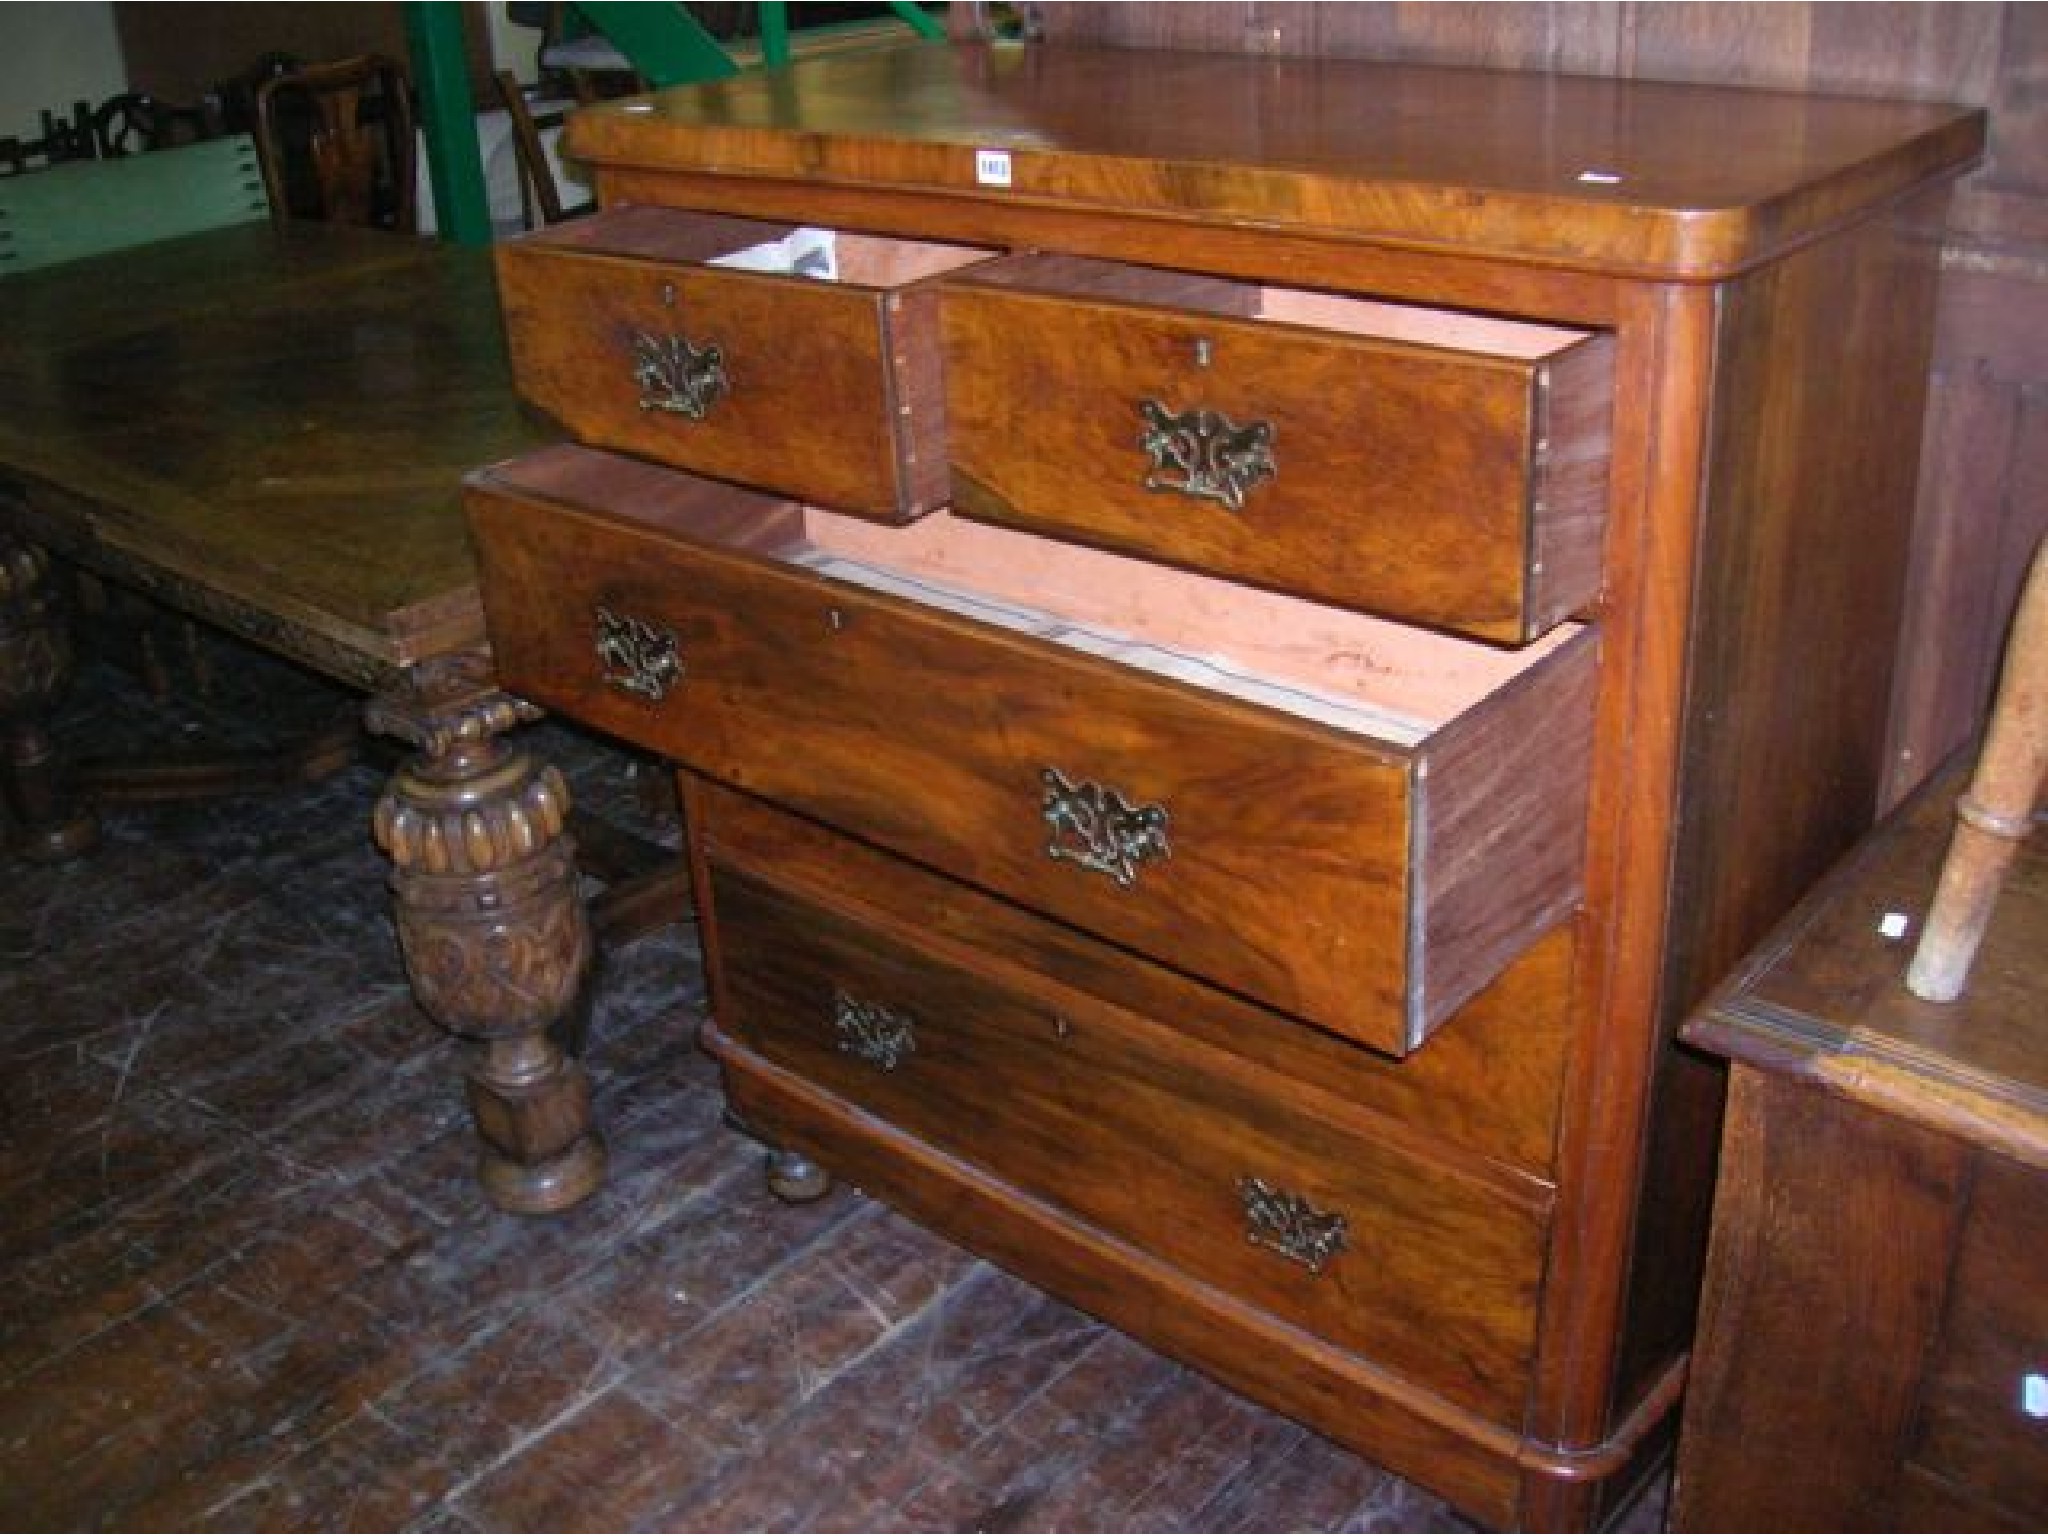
(1354, 822)
(801, 361)
(1445, 468)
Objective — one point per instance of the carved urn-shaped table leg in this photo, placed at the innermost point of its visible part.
(492, 926)
(35, 666)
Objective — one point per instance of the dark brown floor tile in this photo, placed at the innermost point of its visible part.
(147, 1145)
(732, 1380)
(1315, 1480)
(214, 1235)
(365, 1475)
(99, 1427)
(479, 1402)
(607, 1467)
(660, 1287)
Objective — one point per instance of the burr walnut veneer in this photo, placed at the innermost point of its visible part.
(1242, 644)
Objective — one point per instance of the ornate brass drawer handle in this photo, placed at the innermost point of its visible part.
(637, 657)
(1204, 454)
(877, 1035)
(1283, 1221)
(677, 376)
(1095, 827)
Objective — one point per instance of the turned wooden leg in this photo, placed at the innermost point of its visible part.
(35, 667)
(795, 1178)
(1996, 813)
(492, 926)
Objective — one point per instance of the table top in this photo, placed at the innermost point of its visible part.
(1824, 998)
(1624, 176)
(269, 429)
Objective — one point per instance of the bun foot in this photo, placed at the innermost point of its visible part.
(794, 1178)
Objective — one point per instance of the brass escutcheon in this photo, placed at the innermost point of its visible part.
(1204, 454)
(676, 375)
(1282, 1221)
(637, 657)
(877, 1035)
(1095, 827)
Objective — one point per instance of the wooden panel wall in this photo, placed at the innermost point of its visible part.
(1984, 476)
(179, 52)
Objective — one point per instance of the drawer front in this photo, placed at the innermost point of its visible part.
(1455, 488)
(1488, 1088)
(1237, 1177)
(1976, 1429)
(823, 390)
(1369, 888)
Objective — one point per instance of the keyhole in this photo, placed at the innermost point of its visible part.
(668, 295)
(1205, 351)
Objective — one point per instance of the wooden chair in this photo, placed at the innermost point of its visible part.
(337, 143)
(539, 191)
(86, 207)
(1996, 813)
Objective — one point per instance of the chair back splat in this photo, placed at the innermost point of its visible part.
(337, 143)
(541, 193)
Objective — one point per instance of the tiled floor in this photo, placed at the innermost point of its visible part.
(247, 1280)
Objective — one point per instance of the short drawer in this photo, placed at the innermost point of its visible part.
(1443, 468)
(1976, 1429)
(626, 329)
(1271, 1192)
(1351, 822)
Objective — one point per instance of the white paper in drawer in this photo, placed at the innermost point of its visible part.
(804, 252)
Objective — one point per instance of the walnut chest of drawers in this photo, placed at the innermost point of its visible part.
(1222, 621)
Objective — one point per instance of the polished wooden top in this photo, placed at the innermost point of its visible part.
(1825, 997)
(1611, 175)
(278, 421)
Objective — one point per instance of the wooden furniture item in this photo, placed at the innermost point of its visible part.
(337, 143)
(1873, 1347)
(1996, 813)
(539, 190)
(1232, 606)
(267, 430)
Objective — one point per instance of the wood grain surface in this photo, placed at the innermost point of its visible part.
(276, 426)
(1703, 185)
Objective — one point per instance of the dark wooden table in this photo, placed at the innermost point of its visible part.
(1873, 1343)
(268, 432)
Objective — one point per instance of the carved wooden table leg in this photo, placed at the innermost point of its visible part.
(493, 929)
(35, 666)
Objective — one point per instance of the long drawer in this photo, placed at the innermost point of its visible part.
(1282, 1197)
(820, 382)
(1486, 1088)
(1360, 867)
(1444, 468)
